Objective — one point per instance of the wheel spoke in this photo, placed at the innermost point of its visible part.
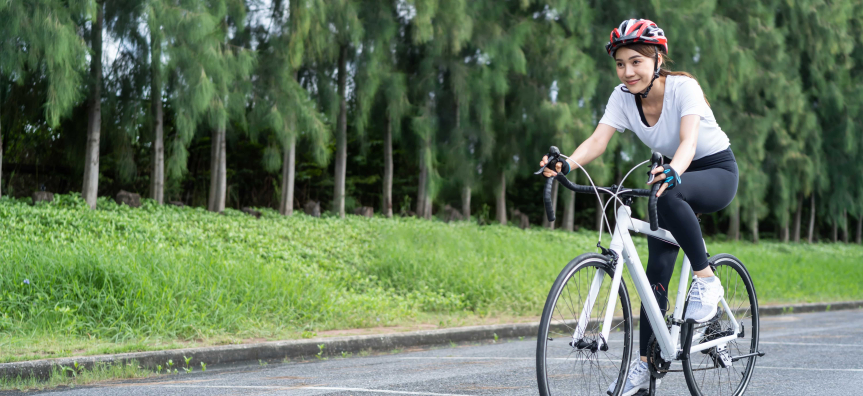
(587, 371)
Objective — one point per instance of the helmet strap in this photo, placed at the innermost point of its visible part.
(655, 76)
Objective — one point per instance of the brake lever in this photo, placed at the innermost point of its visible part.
(657, 161)
(554, 156)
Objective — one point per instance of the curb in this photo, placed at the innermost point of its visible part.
(293, 349)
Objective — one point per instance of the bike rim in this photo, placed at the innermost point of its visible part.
(587, 371)
(740, 296)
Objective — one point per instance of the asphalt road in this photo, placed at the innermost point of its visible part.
(807, 354)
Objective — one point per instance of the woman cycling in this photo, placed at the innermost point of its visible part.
(670, 114)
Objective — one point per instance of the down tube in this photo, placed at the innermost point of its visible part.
(642, 285)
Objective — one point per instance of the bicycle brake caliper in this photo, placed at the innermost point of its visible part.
(611, 254)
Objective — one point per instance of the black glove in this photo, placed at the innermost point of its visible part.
(565, 168)
(673, 179)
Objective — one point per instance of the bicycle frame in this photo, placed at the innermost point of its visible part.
(621, 243)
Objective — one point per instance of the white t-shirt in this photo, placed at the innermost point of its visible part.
(683, 96)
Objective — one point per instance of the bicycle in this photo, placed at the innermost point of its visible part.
(581, 345)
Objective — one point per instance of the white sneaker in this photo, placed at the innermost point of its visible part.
(704, 296)
(638, 379)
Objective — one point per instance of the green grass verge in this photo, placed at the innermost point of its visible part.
(77, 376)
(76, 281)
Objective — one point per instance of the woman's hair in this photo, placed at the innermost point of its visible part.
(650, 50)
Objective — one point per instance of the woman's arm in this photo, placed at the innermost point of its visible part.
(587, 151)
(685, 152)
(688, 141)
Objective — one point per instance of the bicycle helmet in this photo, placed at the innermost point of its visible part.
(634, 31)
(639, 31)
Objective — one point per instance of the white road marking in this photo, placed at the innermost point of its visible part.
(806, 369)
(811, 343)
(313, 387)
(604, 360)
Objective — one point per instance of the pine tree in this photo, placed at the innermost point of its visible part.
(211, 69)
(378, 71)
(347, 33)
(281, 103)
(42, 36)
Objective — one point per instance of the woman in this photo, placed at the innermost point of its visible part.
(669, 113)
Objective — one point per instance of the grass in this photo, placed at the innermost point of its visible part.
(117, 279)
(71, 377)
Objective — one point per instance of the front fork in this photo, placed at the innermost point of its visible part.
(595, 286)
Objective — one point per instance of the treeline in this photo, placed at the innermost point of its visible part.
(418, 107)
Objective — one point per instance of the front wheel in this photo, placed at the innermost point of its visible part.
(706, 372)
(587, 365)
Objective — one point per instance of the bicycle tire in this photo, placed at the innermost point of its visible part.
(552, 373)
(704, 373)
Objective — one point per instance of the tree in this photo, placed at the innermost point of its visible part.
(347, 32)
(40, 41)
(377, 66)
(281, 103)
(94, 110)
(209, 71)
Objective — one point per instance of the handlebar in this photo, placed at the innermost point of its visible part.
(554, 156)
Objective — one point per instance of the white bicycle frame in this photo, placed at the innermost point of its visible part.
(621, 243)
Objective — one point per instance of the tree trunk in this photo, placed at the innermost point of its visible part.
(569, 211)
(501, 200)
(388, 169)
(214, 169)
(218, 185)
(845, 225)
(223, 172)
(341, 137)
(545, 222)
(289, 159)
(734, 222)
(835, 231)
(811, 217)
(465, 202)
(797, 215)
(421, 188)
(859, 228)
(785, 231)
(157, 177)
(427, 212)
(94, 116)
(753, 225)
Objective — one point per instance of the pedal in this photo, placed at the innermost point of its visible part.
(720, 356)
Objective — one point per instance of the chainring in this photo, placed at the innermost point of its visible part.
(655, 363)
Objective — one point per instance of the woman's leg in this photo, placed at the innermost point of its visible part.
(703, 191)
(660, 266)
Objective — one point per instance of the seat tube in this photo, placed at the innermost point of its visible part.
(685, 274)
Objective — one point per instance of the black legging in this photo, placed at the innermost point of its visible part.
(707, 186)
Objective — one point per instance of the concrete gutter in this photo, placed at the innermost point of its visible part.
(305, 349)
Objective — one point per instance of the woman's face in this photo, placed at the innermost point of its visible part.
(633, 69)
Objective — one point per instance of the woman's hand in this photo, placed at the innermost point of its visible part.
(660, 177)
(548, 172)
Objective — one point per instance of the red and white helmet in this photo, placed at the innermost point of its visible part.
(632, 31)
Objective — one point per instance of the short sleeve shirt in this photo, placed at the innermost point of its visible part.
(683, 96)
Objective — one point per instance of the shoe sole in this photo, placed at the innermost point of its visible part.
(706, 318)
(635, 390)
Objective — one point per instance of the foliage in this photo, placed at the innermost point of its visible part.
(141, 278)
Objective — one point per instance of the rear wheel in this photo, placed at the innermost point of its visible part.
(586, 366)
(705, 371)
